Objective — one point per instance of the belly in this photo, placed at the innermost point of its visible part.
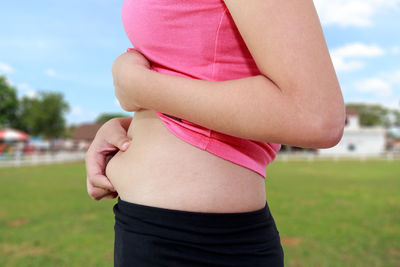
(161, 170)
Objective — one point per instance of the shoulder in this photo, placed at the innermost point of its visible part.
(286, 41)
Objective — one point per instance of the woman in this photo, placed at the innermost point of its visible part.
(216, 86)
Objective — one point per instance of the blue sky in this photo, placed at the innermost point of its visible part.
(70, 46)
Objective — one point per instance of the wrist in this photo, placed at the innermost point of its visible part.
(140, 77)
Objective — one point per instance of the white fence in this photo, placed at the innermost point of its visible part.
(47, 158)
(59, 157)
(309, 156)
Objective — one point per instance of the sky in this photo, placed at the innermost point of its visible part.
(69, 47)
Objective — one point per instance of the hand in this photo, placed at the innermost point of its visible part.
(128, 72)
(111, 137)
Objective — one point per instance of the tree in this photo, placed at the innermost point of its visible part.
(43, 115)
(69, 131)
(396, 115)
(27, 115)
(102, 118)
(371, 114)
(8, 103)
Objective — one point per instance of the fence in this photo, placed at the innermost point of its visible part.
(309, 156)
(45, 158)
(59, 157)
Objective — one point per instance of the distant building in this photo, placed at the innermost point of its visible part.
(84, 135)
(358, 140)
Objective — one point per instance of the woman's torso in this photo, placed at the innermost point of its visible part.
(161, 170)
(195, 39)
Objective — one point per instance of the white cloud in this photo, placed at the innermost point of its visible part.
(395, 50)
(50, 73)
(76, 110)
(393, 104)
(359, 50)
(357, 13)
(384, 87)
(5, 68)
(8, 80)
(345, 13)
(376, 86)
(55, 74)
(393, 78)
(78, 114)
(342, 65)
(31, 94)
(349, 57)
(27, 90)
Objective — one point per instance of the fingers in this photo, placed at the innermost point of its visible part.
(111, 137)
(97, 193)
(111, 195)
(95, 166)
(96, 162)
(115, 135)
(122, 142)
(101, 181)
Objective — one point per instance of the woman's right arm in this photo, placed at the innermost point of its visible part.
(296, 101)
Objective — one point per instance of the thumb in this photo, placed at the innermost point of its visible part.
(123, 143)
(114, 135)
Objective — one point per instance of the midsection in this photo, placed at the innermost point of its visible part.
(159, 169)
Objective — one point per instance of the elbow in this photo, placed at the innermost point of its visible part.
(331, 120)
(331, 136)
(331, 131)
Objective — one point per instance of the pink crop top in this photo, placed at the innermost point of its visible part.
(198, 40)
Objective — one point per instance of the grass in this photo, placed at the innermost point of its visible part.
(47, 218)
(344, 213)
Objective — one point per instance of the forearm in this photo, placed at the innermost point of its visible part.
(252, 108)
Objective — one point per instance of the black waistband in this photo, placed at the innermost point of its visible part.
(222, 220)
(254, 226)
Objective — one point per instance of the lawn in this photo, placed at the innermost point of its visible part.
(344, 213)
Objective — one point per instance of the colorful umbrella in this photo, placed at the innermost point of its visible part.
(8, 134)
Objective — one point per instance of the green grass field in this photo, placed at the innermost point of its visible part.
(344, 213)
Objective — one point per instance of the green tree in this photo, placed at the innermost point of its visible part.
(43, 115)
(371, 114)
(396, 115)
(27, 114)
(69, 131)
(8, 103)
(102, 118)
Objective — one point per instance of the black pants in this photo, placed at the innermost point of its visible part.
(153, 236)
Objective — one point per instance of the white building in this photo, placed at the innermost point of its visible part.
(357, 140)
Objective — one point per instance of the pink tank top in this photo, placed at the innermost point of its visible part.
(199, 40)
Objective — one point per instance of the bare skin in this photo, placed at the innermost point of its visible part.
(299, 86)
(159, 169)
